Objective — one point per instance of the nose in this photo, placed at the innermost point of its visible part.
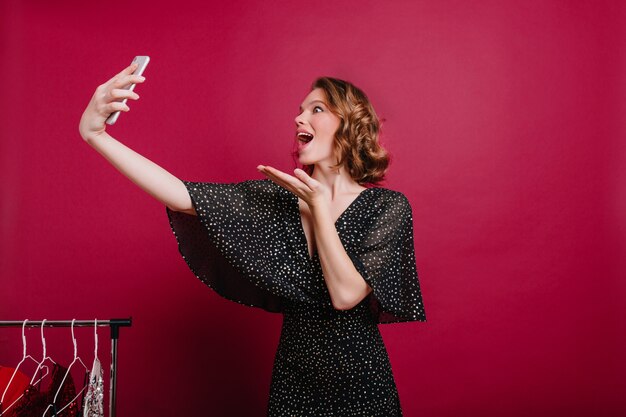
(299, 119)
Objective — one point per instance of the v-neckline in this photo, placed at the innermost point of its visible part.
(301, 228)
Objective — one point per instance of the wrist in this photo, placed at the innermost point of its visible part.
(92, 137)
(321, 213)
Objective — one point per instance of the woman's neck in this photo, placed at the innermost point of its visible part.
(337, 180)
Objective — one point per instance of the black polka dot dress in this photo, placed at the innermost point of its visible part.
(247, 243)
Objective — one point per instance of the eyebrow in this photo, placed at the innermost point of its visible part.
(314, 101)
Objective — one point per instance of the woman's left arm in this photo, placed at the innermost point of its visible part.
(345, 285)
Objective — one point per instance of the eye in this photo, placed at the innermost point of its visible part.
(317, 107)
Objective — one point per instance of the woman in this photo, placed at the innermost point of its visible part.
(336, 258)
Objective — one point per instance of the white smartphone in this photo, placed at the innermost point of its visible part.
(143, 63)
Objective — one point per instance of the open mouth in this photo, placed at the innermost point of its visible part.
(304, 137)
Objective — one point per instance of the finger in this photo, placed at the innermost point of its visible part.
(126, 80)
(303, 176)
(123, 73)
(129, 69)
(116, 106)
(281, 175)
(288, 181)
(272, 175)
(120, 93)
(304, 182)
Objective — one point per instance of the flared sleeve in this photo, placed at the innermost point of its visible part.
(386, 261)
(237, 243)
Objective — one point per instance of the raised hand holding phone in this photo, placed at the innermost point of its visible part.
(108, 98)
(141, 64)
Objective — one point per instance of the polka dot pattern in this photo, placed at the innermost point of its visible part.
(247, 243)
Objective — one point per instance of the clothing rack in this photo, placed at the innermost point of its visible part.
(114, 324)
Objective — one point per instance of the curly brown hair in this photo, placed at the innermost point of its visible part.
(357, 137)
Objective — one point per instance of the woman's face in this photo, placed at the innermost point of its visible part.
(320, 123)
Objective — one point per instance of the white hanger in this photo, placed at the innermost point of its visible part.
(95, 336)
(76, 359)
(95, 367)
(19, 364)
(24, 357)
(41, 365)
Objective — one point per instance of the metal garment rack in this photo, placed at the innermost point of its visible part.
(114, 324)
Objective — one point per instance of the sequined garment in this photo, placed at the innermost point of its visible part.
(35, 401)
(94, 400)
(248, 244)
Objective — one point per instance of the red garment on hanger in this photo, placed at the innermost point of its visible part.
(35, 401)
(17, 387)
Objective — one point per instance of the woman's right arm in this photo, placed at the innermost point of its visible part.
(150, 177)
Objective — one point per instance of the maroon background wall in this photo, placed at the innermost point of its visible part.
(506, 121)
